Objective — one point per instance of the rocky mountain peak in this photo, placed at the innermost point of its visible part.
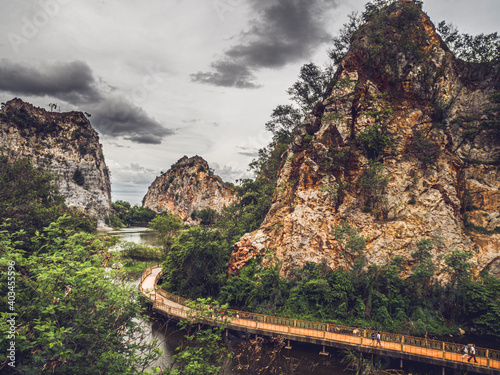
(189, 186)
(405, 147)
(64, 144)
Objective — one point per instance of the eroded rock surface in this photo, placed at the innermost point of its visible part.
(66, 145)
(441, 163)
(188, 186)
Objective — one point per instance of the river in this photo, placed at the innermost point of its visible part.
(302, 359)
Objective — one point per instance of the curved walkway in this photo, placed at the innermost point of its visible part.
(398, 346)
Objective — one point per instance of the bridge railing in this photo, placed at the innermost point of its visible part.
(411, 344)
(147, 271)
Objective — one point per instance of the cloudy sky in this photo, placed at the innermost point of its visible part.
(167, 78)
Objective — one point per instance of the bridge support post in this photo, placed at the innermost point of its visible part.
(288, 346)
(401, 363)
(487, 357)
(324, 352)
(443, 371)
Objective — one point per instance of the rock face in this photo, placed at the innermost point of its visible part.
(64, 144)
(187, 187)
(405, 147)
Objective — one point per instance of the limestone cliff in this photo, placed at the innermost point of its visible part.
(186, 187)
(406, 146)
(64, 144)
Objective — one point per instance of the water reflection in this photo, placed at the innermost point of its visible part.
(141, 235)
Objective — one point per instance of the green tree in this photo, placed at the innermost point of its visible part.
(471, 48)
(311, 86)
(342, 42)
(74, 316)
(458, 266)
(167, 225)
(203, 351)
(30, 200)
(123, 214)
(207, 216)
(483, 304)
(423, 270)
(196, 263)
(374, 140)
(348, 237)
(284, 119)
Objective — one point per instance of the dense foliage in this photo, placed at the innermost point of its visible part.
(202, 351)
(74, 316)
(125, 215)
(374, 297)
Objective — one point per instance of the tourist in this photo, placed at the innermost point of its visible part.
(378, 339)
(465, 350)
(472, 353)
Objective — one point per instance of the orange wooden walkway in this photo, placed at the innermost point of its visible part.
(397, 346)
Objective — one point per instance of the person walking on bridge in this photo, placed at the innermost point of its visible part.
(472, 353)
(378, 339)
(465, 350)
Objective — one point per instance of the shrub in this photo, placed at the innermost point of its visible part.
(113, 221)
(373, 140)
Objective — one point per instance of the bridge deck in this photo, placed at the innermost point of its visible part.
(398, 346)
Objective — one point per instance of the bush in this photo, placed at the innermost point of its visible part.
(207, 216)
(30, 201)
(114, 221)
(373, 140)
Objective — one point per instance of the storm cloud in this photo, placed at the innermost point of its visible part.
(227, 74)
(284, 32)
(113, 114)
(72, 82)
(116, 116)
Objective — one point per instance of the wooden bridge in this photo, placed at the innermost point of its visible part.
(445, 354)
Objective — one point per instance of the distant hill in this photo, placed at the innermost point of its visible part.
(188, 187)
